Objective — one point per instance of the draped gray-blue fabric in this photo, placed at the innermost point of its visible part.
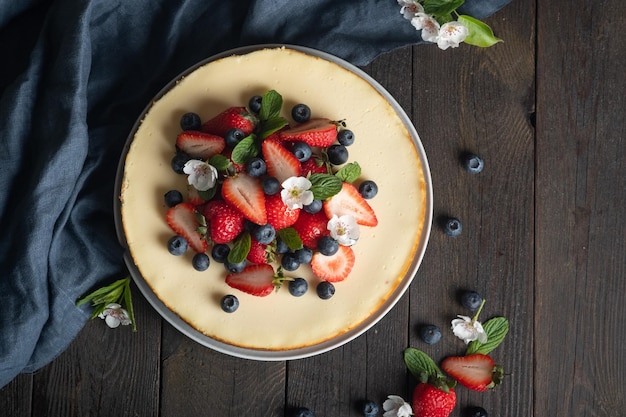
(75, 75)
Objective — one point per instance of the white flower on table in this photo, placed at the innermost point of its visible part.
(201, 174)
(468, 329)
(344, 229)
(395, 406)
(114, 315)
(296, 192)
(410, 8)
(451, 34)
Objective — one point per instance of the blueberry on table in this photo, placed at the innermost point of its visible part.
(190, 121)
(430, 334)
(200, 261)
(298, 287)
(368, 189)
(325, 290)
(270, 185)
(233, 137)
(290, 262)
(314, 207)
(229, 303)
(345, 137)
(302, 151)
(328, 246)
(473, 163)
(256, 167)
(471, 300)
(264, 234)
(337, 154)
(220, 252)
(173, 197)
(301, 113)
(369, 408)
(254, 104)
(452, 227)
(475, 412)
(177, 245)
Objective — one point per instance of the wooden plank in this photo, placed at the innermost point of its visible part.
(478, 100)
(15, 397)
(581, 190)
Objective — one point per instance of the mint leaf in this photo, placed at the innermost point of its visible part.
(245, 150)
(349, 172)
(441, 7)
(128, 301)
(480, 34)
(220, 162)
(240, 249)
(101, 292)
(324, 186)
(271, 104)
(420, 365)
(208, 194)
(291, 238)
(271, 126)
(496, 329)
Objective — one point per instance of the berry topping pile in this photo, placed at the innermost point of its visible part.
(266, 196)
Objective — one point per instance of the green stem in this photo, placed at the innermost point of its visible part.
(479, 310)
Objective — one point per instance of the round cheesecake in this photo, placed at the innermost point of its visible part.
(280, 325)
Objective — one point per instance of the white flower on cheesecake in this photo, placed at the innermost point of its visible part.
(344, 229)
(296, 192)
(114, 315)
(395, 406)
(201, 175)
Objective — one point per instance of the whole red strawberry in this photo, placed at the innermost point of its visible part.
(429, 401)
(311, 227)
(258, 253)
(225, 222)
(231, 118)
(278, 214)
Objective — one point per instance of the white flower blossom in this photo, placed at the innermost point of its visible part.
(410, 8)
(295, 193)
(468, 329)
(200, 174)
(451, 34)
(428, 25)
(344, 229)
(395, 406)
(114, 315)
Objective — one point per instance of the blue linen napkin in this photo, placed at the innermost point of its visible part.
(75, 75)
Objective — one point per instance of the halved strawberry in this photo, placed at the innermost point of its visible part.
(278, 214)
(225, 223)
(477, 372)
(350, 201)
(258, 253)
(246, 195)
(183, 219)
(311, 227)
(315, 132)
(313, 165)
(281, 163)
(232, 117)
(256, 280)
(333, 268)
(200, 145)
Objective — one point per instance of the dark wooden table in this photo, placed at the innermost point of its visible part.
(543, 241)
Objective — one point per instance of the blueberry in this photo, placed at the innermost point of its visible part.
(235, 268)
(179, 160)
(270, 185)
(201, 261)
(476, 412)
(325, 290)
(220, 252)
(301, 113)
(304, 255)
(177, 245)
(190, 121)
(281, 246)
(368, 189)
(452, 227)
(302, 412)
(337, 154)
(369, 408)
(290, 262)
(233, 137)
(327, 246)
(302, 151)
(229, 303)
(254, 104)
(314, 207)
(471, 300)
(430, 334)
(264, 234)
(256, 167)
(298, 287)
(345, 137)
(173, 197)
(473, 163)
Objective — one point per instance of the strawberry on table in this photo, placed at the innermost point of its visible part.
(233, 117)
(200, 145)
(311, 227)
(350, 201)
(477, 371)
(429, 401)
(183, 219)
(258, 280)
(281, 163)
(333, 268)
(319, 132)
(246, 195)
(278, 214)
(225, 222)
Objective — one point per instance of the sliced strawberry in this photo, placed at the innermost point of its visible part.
(183, 220)
(477, 372)
(233, 117)
(225, 222)
(350, 201)
(313, 165)
(200, 145)
(258, 253)
(315, 132)
(281, 163)
(254, 279)
(333, 268)
(278, 214)
(311, 227)
(246, 195)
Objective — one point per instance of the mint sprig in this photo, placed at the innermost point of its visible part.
(245, 150)
(324, 186)
(425, 370)
(349, 172)
(118, 293)
(290, 237)
(240, 249)
(269, 114)
(496, 329)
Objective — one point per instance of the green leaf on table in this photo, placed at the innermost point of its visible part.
(245, 150)
(420, 365)
(103, 293)
(324, 186)
(128, 301)
(240, 249)
(441, 7)
(496, 329)
(480, 34)
(349, 172)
